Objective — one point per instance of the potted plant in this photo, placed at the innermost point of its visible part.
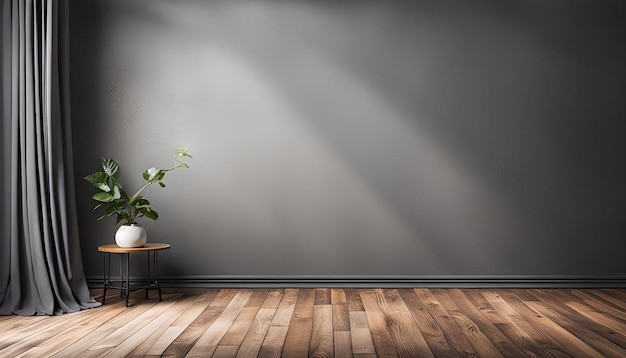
(126, 208)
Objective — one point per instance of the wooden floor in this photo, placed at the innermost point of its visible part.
(333, 322)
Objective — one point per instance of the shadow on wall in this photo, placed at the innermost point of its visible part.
(86, 57)
(396, 138)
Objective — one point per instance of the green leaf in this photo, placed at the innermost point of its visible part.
(182, 152)
(99, 180)
(125, 196)
(103, 197)
(116, 175)
(151, 214)
(110, 167)
(96, 177)
(116, 192)
(123, 216)
(162, 184)
(141, 203)
(111, 209)
(151, 172)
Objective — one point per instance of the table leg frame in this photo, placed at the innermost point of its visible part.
(124, 276)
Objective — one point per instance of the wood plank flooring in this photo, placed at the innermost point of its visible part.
(335, 322)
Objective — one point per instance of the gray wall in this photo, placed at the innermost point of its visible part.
(341, 138)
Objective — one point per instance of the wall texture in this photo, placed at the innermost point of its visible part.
(361, 139)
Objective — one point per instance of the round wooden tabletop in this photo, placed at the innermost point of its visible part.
(149, 246)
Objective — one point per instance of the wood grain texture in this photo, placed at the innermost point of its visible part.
(499, 339)
(405, 333)
(336, 322)
(517, 335)
(341, 319)
(558, 302)
(454, 335)
(147, 247)
(251, 344)
(322, 337)
(360, 333)
(208, 342)
(561, 336)
(477, 338)
(183, 343)
(277, 333)
(342, 344)
(617, 302)
(590, 337)
(298, 337)
(382, 337)
(598, 303)
(526, 324)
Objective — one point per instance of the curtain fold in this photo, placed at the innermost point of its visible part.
(41, 264)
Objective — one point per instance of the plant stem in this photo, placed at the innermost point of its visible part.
(138, 193)
(150, 182)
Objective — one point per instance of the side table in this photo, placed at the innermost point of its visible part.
(124, 283)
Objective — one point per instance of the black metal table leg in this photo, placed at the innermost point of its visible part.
(127, 277)
(121, 277)
(107, 275)
(123, 281)
(156, 274)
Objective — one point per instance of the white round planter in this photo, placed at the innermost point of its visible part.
(130, 236)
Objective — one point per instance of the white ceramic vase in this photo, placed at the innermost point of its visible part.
(132, 235)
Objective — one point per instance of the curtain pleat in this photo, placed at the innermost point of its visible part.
(42, 250)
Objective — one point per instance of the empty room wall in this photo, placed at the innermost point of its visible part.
(360, 138)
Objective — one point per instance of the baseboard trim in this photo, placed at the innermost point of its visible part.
(358, 281)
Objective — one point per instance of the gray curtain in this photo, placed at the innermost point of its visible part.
(40, 261)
